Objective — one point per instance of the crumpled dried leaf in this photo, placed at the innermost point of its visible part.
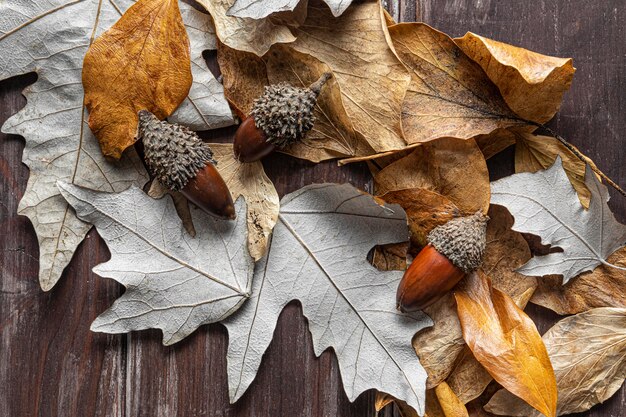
(534, 153)
(449, 402)
(602, 287)
(245, 34)
(258, 9)
(506, 342)
(59, 144)
(450, 95)
(173, 282)
(141, 62)
(532, 84)
(588, 353)
(371, 79)
(545, 204)
(327, 231)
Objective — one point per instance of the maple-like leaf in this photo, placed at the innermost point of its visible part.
(547, 205)
(51, 38)
(258, 9)
(318, 255)
(174, 282)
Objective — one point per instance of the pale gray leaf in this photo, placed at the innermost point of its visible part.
(51, 38)
(259, 9)
(545, 204)
(318, 255)
(173, 282)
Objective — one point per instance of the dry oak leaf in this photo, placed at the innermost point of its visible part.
(317, 255)
(532, 84)
(545, 204)
(371, 79)
(59, 144)
(602, 287)
(173, 282)
(141, 62)
(506, 342)
(588, 353)
(245, 34)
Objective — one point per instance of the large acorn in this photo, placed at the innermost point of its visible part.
(281, 116)
(454, 250)
(182, 162)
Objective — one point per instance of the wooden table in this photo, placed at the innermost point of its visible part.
(52, 365)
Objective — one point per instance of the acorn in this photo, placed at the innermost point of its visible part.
(454, 250)
(281, 116)
(182, 162)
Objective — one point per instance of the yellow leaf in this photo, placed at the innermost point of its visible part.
(506, 342)
(141, 63)
(449, 402)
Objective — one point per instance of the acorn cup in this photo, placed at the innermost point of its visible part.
(454, 250)
(182, 162)
(281, 116)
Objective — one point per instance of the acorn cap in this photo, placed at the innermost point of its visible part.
(173, 153)
(285, 113)
(462, 241)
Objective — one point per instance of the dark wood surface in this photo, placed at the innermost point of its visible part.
(52, 365)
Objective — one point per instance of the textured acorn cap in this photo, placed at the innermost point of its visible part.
(462, 241)
(285, 113)
(173, 153)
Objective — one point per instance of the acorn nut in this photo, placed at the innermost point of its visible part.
(281, 116)
(182, 162)
(454, 250)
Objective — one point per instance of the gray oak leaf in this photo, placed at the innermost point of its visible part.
(259, 9)
(51, 37)
(546, 204)
(317, 255)
(174, 282)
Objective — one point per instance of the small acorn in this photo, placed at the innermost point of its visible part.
(282, 115)
(182, 162)
(454, 249)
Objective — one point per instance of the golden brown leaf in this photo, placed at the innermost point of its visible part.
(506, 342)
(602, 287)
(141, 63)
(449, 402)
(588, 352)
(531, 84)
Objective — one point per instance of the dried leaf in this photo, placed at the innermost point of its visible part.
(157, 190)
(327, 232)
(535, 153)
(390, 257)
(603, 287)
(173, 282)
(142, 62)
(370, 77)
(531, 84)
(545, 204)
(449, 402)
(258, 9)
(450, 95)
(506, 342)
(588, 354)
(383, 400)
(245, 34)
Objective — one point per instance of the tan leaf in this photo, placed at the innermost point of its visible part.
(531, 84)
(371, 79)
(588, 353)
(449, 402)
(453, 168)
(141, 62)
(249, 180)
(506, 342)
(390, 257)
(602, 287)
(245, 34)
(157, 190)
(534, 153)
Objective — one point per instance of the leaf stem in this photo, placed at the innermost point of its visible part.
(605, 263)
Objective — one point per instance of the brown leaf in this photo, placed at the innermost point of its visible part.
(142, 62)
(602, 287)
(449, 402)
(588, 353)
(506, 342)
(453, 168)
(157, 190)
(531, 84)
(383, 400)
(371, 79)
(390, 257)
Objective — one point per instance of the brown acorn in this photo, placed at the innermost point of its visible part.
(182, 162)
(281, 116)
(454, 249)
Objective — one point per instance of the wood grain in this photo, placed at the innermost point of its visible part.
(52, 365)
